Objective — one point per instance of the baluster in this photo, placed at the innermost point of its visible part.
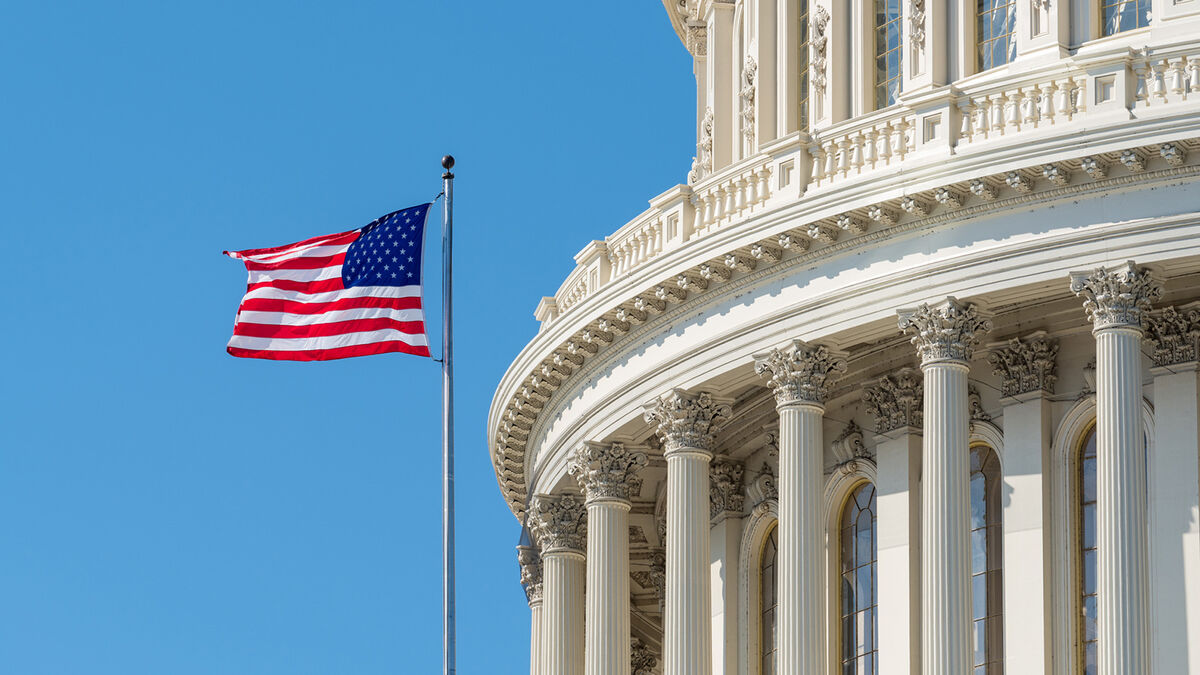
(885, 144)
(1142, 93)
(659, 230)
(844, 156)
(1176, 79)
(966, 114)
(1047, 91)
(906, 140)
(1160, 82)
(697, 214)
(764, 184)
(1012, 110)
(1193, 68)
(982, 122)
(708, 209)
(870, 147)
(1025, 103)
(856, 153)
(740, 200)
(730, 199)
(996, 103)
(818, 163)
(751, 189)
(1079, 100)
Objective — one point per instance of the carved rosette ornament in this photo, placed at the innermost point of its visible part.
(801, 374)
(895, 401)
(947, 332)
(608, 471)
(726, 490)
(686, 420)
(1026, 366)
(558, 523)
(531, 572)
(1117, 298)
(1173, 335)
(643, 661)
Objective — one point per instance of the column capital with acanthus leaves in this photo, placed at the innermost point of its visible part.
(1117, 298)
(608, 471)
(801, 373)
(945, 332)
(687, 421)
(558, 523)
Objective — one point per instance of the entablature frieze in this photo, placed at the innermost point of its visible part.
(722, 274)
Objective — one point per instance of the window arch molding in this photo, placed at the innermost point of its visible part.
(763, 518)
(990, 435)
(1063, 558)
(838, 488)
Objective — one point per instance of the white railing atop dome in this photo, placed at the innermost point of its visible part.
(1077, 96)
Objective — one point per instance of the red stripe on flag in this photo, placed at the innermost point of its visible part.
(263, 330)
(315, 263)
(330, 354)
(322, 286)
(328, 240)
(294, 307)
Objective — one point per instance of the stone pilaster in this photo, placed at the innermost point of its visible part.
(1175, 508)
(559, 526)
(607, 474)
(686, 424)
(800, 377)
(1117, 302)
(531, 580)
(945, 336)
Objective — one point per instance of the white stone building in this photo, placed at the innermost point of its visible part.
(879, 391)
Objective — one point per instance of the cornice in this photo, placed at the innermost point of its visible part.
(523, 414)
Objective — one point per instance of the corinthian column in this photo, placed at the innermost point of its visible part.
(558, 525)
(607, 473)
(531, 581)
(800, 377)
(687, 423)
(945, 338)
(1116, 301)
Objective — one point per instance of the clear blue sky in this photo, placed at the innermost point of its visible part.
(166, 508)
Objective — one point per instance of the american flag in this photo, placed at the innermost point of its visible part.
(349, 294)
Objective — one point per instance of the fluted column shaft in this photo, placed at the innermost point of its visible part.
(800, 377)
(801, 636)
(687, 424)
(945, 337)
(1117, 300)
(1123, 589)
(946, 644)
(687, 634)
(607, 642)
(562, 612)
(535, 637)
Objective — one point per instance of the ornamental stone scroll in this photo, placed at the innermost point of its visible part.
(608, 471)
(727, 491)
(801, 374)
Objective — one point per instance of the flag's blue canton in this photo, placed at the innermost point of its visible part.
(388, 252)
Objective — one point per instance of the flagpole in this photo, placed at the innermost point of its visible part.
(448, 629)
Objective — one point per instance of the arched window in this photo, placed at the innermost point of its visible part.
(986, 561)
(1122, 15)
(859, 640)
(770, 600)
(1086, 489)
(803, 64)
(887, 52)
(995, 24)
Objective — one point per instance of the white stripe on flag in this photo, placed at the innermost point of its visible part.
(327, 341)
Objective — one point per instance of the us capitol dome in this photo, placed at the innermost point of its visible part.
(903, 379)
